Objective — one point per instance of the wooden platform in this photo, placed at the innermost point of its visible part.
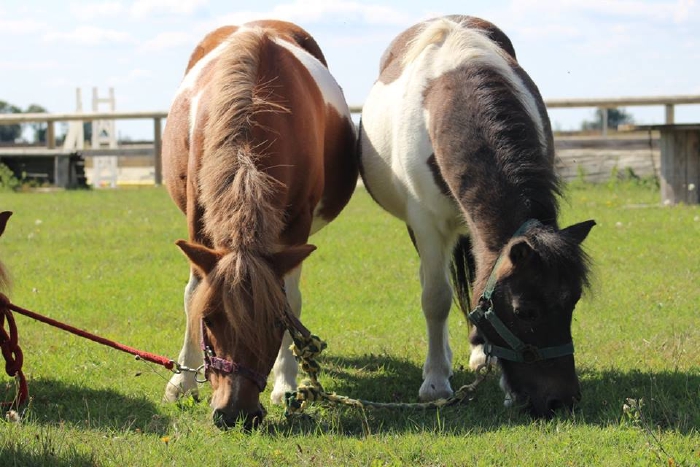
(679, 163)
(596, 159)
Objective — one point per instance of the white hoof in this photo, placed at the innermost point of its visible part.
(178, 386)
(478, 358)
(509, 398)
(279, 391)
(432, 390)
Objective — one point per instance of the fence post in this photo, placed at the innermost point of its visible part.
(51, 134)
(670, 114)
(604, 117)
(157, 147)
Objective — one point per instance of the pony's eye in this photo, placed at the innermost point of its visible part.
(526, 314)
(207, 321)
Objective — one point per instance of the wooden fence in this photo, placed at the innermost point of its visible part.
(668, 102)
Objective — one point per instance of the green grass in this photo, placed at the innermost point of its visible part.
(105, 261)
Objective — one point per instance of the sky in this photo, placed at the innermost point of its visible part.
(570, 48)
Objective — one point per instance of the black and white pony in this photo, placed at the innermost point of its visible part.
(456, 142)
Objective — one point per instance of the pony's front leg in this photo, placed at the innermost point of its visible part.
(190, 355)
(286, 368)
(436, 300)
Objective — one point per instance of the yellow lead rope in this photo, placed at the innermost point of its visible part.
(306, 349)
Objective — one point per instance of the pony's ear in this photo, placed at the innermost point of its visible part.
(520, 252)
(290, 258)
(3, 220)
(578, 232)
(203, 259)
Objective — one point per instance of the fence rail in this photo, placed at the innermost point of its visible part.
(669, 103)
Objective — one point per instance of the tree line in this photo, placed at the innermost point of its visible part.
(11, 133)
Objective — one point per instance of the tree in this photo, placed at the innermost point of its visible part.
(38, 128)
(87, 131)
(9, 133)
(616, 117)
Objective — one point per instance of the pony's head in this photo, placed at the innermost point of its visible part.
(539, 279)
(240, 307)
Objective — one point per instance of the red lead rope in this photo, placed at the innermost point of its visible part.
(13, 354)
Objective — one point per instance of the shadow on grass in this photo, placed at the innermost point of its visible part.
(45, 456)
(669, 401)
(56, 403)
(670, 397)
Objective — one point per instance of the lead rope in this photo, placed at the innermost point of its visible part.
(307, 348)
(13, 354)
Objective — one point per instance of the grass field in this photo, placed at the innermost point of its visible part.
(105, 261)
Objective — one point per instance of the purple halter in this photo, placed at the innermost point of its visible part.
(212, 362)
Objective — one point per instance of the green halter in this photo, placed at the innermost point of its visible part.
(519, 351)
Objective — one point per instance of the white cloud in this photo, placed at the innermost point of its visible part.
(168, 40)
(316, 11)
(630, 9)
(21, 26)
(28, 65)
(685, 10)
(90, 36)
(58, 82)
(89, 11)
(557, 30)
(141, 9)
(133, 76)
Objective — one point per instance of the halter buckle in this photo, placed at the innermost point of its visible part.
(530, 354)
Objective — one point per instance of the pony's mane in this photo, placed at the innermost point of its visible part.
(562, 256)
(527, 175)
(469, 42)
(235, 194)
(253, 299)
(462, 44)
(238, 198)
(510, 123)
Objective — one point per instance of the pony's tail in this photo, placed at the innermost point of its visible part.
(463, 270)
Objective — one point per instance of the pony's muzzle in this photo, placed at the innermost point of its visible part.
(249, 420)
(552, 404)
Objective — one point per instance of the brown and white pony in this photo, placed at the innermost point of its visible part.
(4, 276)
(258, 152)
(455, 141)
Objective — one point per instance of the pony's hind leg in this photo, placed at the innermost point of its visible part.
(436, 300)
(190, 355)
(285, 368)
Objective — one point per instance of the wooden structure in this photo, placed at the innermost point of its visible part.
(680, 162)
(65, 169)
(669, 103)
(51, 119)
(104, 135)
(596, 159)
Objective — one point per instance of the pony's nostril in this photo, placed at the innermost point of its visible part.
(253, 420)
(222, 421)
